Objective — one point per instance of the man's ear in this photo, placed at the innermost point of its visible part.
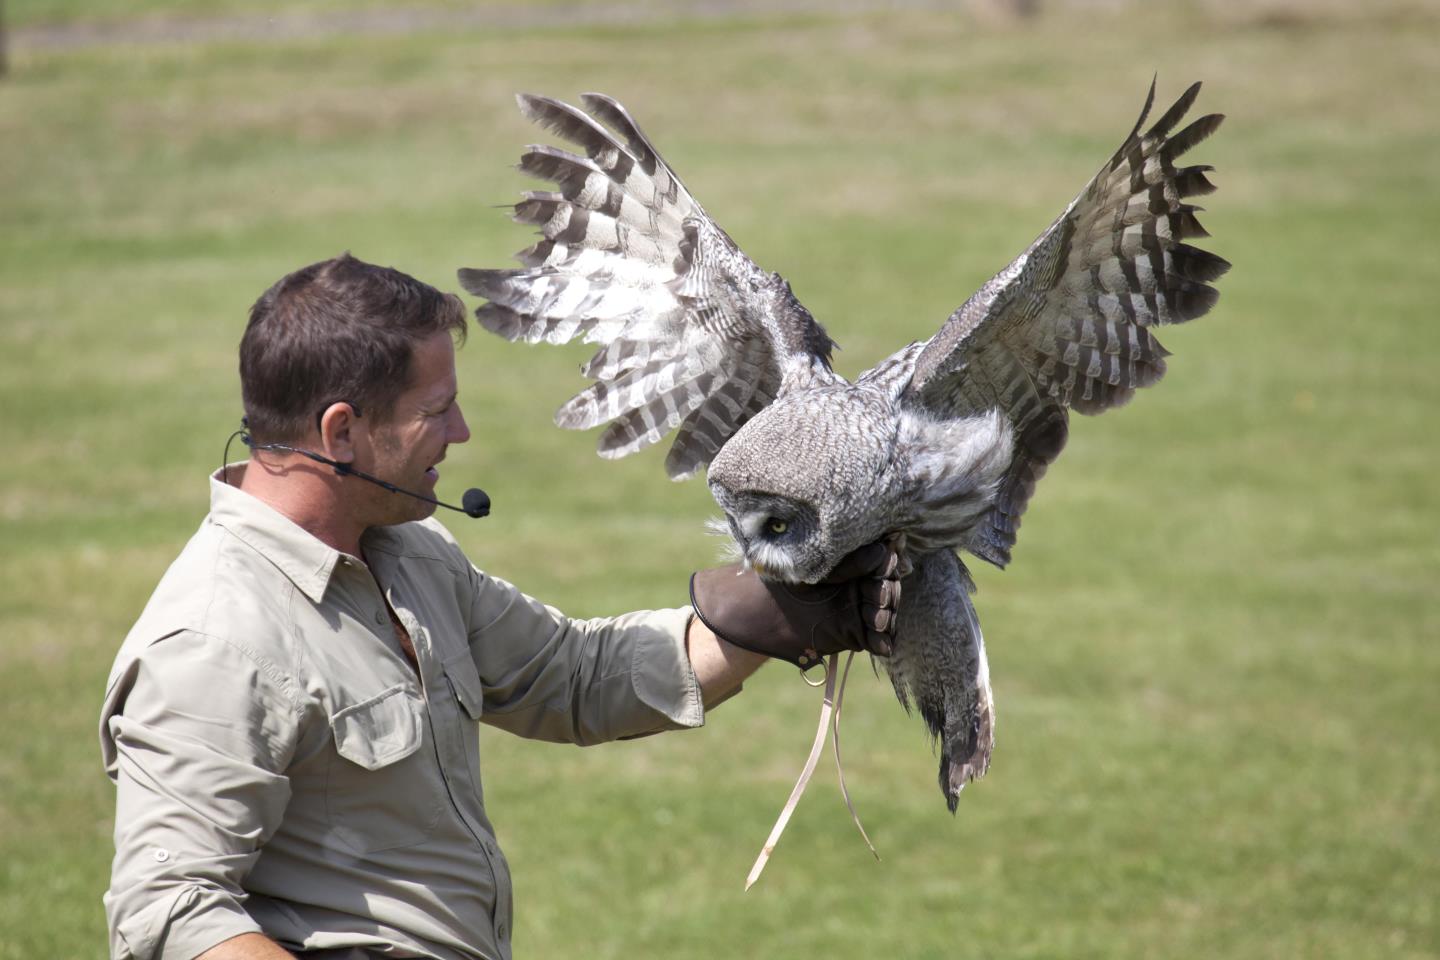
(339, 431)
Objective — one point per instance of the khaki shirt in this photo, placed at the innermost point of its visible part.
(280, 766)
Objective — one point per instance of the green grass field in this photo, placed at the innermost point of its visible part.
(1215, 656)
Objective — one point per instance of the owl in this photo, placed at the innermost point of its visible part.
(937, 448)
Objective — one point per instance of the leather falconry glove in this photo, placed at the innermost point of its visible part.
(854, 608)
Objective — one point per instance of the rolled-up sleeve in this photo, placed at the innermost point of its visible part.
(196, 733)
(548, 677)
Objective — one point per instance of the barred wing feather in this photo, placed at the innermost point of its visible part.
(693, 336)
(1067, 324)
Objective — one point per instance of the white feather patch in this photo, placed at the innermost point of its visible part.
(730, 551)
(951, 454)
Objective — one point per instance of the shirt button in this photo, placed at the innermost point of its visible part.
(161, 854)
(379, 616)
(501, 931)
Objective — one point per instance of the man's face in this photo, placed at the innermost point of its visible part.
(425, 421)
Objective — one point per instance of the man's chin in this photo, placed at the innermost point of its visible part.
(418, 510)
(405, 510)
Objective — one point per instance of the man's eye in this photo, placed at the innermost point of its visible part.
(776, 525)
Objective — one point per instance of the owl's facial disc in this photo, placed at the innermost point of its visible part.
(775, 535)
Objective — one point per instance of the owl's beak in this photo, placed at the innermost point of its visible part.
(748, 561)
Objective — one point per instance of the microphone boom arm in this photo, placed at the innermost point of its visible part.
(476, 501)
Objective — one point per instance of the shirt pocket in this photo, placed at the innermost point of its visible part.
(465, 683)
(465, 687)
(384, 787)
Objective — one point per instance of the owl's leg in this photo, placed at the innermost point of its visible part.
(938, 666)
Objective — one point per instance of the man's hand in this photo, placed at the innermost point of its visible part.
(854, 608)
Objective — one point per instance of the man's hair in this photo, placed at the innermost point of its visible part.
(338, 330)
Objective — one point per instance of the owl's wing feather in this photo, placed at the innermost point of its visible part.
(693, 335)
(1066, 325)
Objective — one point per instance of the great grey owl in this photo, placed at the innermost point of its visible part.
(939, 446)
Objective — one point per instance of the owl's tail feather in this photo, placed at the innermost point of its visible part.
(966, 732)
(940, 670)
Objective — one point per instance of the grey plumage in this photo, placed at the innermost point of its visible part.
(940, 445)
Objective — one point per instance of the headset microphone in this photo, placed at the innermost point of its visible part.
(476, 503)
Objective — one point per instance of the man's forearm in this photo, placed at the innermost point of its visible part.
(719, 667)
(247, 946)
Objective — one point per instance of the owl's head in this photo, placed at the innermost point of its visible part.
(801, 487)
(781, 538)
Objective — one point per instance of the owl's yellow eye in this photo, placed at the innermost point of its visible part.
(776, 525)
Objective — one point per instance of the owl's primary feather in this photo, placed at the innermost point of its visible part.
(1066, 323)
(693, 334)
(940, 444)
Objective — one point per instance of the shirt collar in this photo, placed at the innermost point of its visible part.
(298, 554)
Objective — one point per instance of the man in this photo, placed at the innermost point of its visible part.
(292, 723)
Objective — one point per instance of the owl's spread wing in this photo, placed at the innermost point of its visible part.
(693, 334)
(1066, 325)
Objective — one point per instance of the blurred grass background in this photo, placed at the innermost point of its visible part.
(1214, 657)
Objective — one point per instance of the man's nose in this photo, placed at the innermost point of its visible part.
(459, 429)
